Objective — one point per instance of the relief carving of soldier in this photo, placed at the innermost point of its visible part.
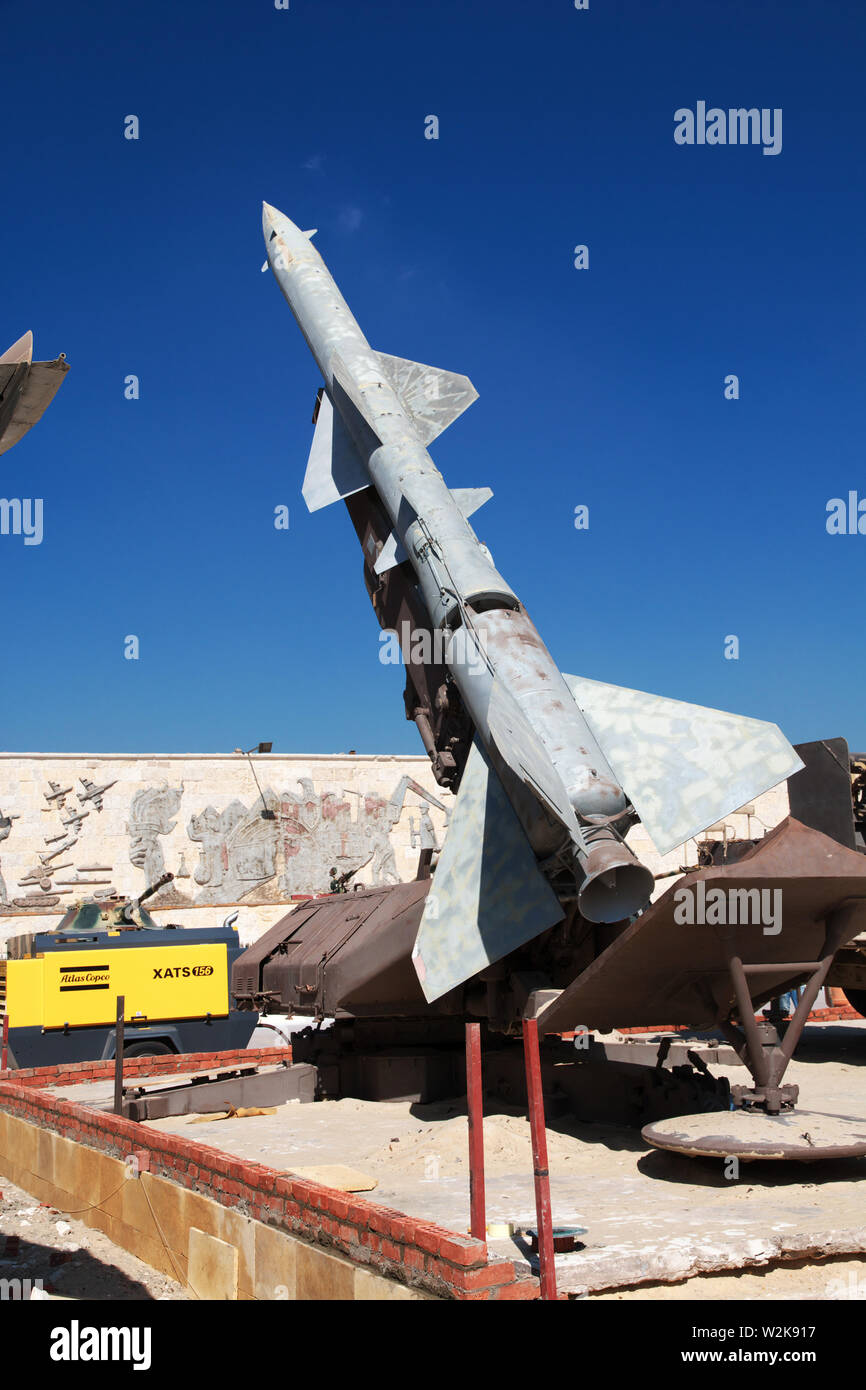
(150, 816)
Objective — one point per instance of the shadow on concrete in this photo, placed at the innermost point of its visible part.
(663, 1166)
(74, 1274)
(835, 1042)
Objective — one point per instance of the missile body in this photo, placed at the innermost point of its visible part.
(558, 767)
(559, 780)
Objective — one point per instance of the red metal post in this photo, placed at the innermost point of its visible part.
(4, 1060)
(119, 1045)
(475, 1111)
(544, 1219)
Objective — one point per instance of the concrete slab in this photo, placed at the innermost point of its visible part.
(650, 1215)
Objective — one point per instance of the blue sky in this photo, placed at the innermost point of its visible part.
(602, 387)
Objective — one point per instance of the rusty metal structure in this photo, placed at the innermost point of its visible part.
(27, 388)
(537, 907)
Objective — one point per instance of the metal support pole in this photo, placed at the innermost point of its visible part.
(4, 1061)
(546, 1266)
(804, 1008)
(118, 1056)
(746, 1010)
(475, 1112)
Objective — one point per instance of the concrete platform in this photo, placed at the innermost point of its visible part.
(651, 1216)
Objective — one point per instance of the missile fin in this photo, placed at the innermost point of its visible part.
(43, 381)
(433, 397)
(468, 499)
(391, 554)
(683, 766)
(488, 895)
(22, 351)
(334, 468)
(519, 746)
(7, 372)
(471, 499)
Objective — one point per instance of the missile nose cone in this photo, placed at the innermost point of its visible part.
(276, 220)
(276, 224)
(270, 216)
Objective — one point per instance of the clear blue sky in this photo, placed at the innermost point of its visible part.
(604, 387)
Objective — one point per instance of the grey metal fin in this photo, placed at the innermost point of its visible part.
(334, 468)
(468, 499)
(488, 895)
(682, 766)
(471, 499)
(391, 554)
(433, 397)
(41, 385)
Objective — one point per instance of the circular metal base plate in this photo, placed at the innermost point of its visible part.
(803, 1135)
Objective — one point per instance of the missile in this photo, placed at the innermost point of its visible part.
(27, 388)
(560, 767)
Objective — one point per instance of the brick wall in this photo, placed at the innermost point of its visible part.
(391, 1243)
(73, 1073)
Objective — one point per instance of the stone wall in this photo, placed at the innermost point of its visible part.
(72, 825)
(75, 824)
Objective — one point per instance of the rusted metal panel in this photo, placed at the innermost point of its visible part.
(659, 970)
(804, 1136)
(350, 954)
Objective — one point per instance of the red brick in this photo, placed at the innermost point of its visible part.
(466, 1279)
(413, 1258)
(338, 1205)
(381, 1219)
(521, 1288)
(462, 1250)
(272, 1204)
(360, 1211)
(428, 1238)
(247, 1173)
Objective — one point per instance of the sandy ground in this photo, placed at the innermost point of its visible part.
(70, 1259)
(652, 1218)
